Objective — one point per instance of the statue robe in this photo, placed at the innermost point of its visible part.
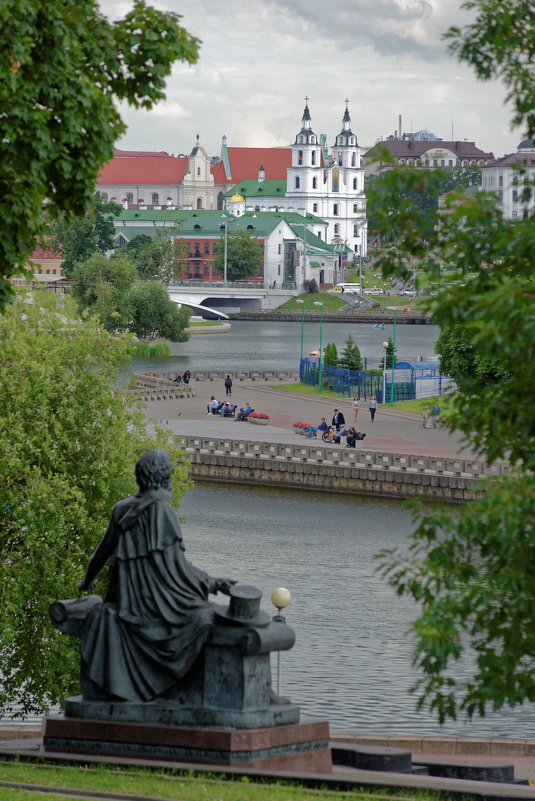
(156, 616)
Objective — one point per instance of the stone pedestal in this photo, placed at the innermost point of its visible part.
(299, 746)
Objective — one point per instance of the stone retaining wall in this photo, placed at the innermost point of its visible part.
(443, 744)
(349, 316)
(335, 469)
(236, 375)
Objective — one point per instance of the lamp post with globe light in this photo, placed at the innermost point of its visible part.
(281, 598)
(302, 302)
(385, 346)
(317, 303)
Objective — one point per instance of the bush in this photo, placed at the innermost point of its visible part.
(310, 285)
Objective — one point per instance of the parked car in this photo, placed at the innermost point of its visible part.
(406, 293)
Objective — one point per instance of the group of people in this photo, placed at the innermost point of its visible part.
(223, 409)
(372, 407)
(338, 428)
(182, 378)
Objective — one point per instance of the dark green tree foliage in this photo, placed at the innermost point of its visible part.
(162, 258)
(390, 353)
(79, 238)
(245, 255)
(62, 67)
(467, 365)
(471, 571)
(69, 441)
(330, 357)
(310, 285)
(102, 287)
(154, 316)
(350, 358)
(134, 248)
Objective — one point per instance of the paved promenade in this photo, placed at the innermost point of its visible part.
(394, 431)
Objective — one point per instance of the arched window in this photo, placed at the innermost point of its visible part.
(337, 229)
(199, 202)
(354, 183)
(314, 183)
(198, 171)
(335, 210)
(314, 208)
(340, 158)
(297, 182)
(104, 197)
(353, 159)
(299, 156)
(155, 201)
(197, 226)
(250, 227)
(355, 230)
(313, 157)
(129, 197)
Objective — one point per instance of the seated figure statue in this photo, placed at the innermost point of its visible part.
(156, 616)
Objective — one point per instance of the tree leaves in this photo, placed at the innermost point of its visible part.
(69, 440)
(62, 65)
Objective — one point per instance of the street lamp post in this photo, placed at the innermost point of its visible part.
(302, 302)
(385, 346)
(317, 303)
(225, 223)
(280, 598)
(393, 363)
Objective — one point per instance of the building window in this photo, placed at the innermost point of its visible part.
(314, 208)
(188, 268)
(129, 197)
(353, 159)
(198, 171)
(155, 201)
(435, 162)
(335, 210)
(340, 158)
(450, 163)
(314, 183)
(257, 208)
(515, 215)
(313, 157)
(206, 248)
(355, 208)
(515, 195)
(280, 248)
(297, 182)
(500, 180)
(500, 193)
(336, 229)
(188, 245)
(354, 183)
(515, 180)
(199, 202)
(197, 250)
(206, 269)
(319, 234)
(355, 230)
(299, 156)
(104, 197)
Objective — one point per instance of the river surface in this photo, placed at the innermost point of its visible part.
(273, 345)
(352, 659)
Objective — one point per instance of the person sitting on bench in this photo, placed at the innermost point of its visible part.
(213, 406)
(244, 413)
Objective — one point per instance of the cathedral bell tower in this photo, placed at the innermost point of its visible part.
(303, 177)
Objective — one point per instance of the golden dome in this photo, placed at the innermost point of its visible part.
(236, 199)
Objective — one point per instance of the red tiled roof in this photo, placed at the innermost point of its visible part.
(139, 153)
(144, 170)
(246, 161)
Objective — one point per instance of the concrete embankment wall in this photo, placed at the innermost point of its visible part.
(402, 318)
(334, 469)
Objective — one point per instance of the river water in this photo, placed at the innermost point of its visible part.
(273, 345)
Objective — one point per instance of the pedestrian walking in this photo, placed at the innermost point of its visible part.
(373, 406)
(338, 419)
(355, 405)
(228, 385)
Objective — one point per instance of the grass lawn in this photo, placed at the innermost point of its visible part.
(416, 406)
(330, 302)
(205, 323)
(187, 787)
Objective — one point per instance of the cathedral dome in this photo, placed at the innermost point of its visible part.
(236, 199)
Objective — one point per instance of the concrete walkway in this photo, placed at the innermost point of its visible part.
(393, 431)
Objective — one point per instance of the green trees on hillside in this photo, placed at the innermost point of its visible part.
(471, 571)
(77, 239)
(245, 255)
(63, 67)
(69, 441)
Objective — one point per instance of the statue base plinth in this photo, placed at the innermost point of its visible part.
(302, 746)
(175, 714)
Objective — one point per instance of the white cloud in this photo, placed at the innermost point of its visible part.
(259, 59)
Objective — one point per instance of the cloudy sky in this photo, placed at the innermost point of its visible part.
(259, 59)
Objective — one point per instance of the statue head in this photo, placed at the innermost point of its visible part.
(154, 470)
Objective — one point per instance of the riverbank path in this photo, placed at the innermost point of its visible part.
(392, 431)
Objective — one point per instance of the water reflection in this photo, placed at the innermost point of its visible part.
(352, 659)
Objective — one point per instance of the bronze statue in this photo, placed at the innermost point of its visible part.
(156, 614)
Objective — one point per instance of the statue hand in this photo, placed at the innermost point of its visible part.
(83, 585)
(224, 585)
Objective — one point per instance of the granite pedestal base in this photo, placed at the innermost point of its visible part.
(299, 746)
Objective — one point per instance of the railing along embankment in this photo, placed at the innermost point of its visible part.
(336, 469)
